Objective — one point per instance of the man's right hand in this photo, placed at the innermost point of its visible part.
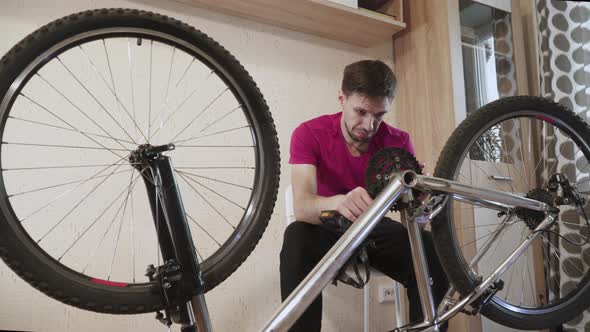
(353, 204)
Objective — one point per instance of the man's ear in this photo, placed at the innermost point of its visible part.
(341, 98)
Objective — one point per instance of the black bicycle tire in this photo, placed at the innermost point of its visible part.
(460, 275)
(40, 270)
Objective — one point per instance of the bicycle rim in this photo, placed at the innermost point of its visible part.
(516, 151)
(98, 95)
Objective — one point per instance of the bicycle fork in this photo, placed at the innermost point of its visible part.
(180, 276)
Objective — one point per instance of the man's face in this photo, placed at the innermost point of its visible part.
(362, 115)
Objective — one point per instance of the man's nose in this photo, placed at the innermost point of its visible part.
(369, 123)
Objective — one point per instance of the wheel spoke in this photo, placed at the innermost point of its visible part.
(216, 146)
(175, 110)
(475, 241)
(512, 270)
(555, 251)
(77, 205)
(496, 167)
(184, 72)
(466, 178)
(572, 224)
(522, 155)
(213, 179)
(111, 223)
(510, 161)
(549, 282)
(64, 146)
(63, 194)
(526, 256)
(54, 167)
(150, 95)
(533, 293)
(71, 126)
(132, 238)
(91, 257)
(499, 231)
(199, 255)
(94, 98)
(69, 101)
(206, 201)
(180, 142)
(199, 114)
(129, 57)
(59, 185)
(220, 118)
(69, 129)
(132, 183)
(215, 192)
(478, 226)
(113, 89)
(203, 229)
(575, 232)
(165, 100)
(509, 285)
(215, 167)
(115, 94)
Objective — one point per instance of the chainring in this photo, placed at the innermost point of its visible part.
(386, 162)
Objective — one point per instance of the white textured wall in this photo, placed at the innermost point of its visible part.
(299, 75)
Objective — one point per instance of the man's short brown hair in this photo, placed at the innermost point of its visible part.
(372, 78)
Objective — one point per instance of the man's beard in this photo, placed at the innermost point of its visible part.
(358, 139)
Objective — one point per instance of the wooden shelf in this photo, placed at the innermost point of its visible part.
(318, 17)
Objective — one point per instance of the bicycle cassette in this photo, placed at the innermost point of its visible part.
(386, 162)
(533, 218)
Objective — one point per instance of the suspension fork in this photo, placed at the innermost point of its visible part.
(186, 286)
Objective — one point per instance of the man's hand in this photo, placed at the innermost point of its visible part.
(353, 204)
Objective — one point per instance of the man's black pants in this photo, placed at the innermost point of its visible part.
(305, 244)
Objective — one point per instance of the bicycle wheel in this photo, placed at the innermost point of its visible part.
(80, 94)
(515, 145)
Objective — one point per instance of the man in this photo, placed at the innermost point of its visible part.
(329, 156)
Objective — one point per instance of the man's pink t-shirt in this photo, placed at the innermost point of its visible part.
(320, 142)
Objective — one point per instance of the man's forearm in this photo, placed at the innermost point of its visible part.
(309, 207)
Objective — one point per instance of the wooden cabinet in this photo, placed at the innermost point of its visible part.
(323, 18)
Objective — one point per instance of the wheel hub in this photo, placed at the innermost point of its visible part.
(140, 157)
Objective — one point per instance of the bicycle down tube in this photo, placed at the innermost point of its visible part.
(328, 267)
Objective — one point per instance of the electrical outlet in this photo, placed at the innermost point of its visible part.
(386, 294)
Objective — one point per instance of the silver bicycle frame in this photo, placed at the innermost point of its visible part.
(326, 270)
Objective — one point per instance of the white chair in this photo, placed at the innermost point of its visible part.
(399, 312)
